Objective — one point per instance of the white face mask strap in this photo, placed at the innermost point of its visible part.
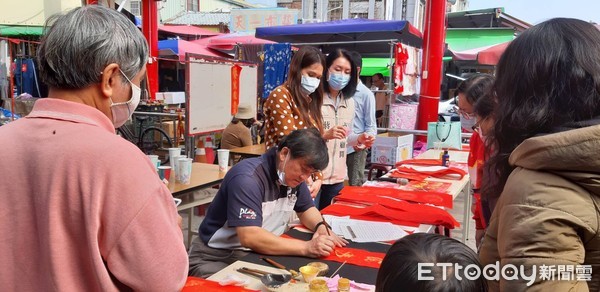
(287, 156)
(125, 76)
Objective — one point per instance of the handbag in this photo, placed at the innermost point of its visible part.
(444, 135)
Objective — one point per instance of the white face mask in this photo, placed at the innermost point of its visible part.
(281, 173)
(467, 123)
(310, 84)
(122, 111)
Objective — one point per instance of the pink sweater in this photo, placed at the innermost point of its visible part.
(82, 209)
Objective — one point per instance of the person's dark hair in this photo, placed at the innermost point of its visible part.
(305, 57)
(357, 58)
(307, 144)
(400, 266)
(548, 76)
(379, 75)
(484, 107)
(350, 89)
(246, 122)
(78, 45)
(475, 86)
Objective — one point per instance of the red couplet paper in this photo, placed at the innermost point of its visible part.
(194, 284)
(353, 256)
(375, 195)
(235, 88)
(419, 161)
(399, 213)
(413, 174)
(356, 257)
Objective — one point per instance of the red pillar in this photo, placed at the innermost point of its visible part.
(150, 29)
(433, 51)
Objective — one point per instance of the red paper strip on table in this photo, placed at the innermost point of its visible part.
(380, 195)
(356, 257)
(418, 161)
(353, 256)
(427, 186)
(194, 284)
(413, 174)
(402, 213)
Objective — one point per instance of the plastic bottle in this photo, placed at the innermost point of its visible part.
(445, 158)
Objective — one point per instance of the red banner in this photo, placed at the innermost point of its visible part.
(235, 88)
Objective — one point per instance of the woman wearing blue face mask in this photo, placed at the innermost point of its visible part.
(296, 104)
(338, 114)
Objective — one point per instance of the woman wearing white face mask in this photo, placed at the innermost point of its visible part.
(338, 114)
(470, 91)
(296, 104)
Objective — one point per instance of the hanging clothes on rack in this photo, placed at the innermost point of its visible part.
(276, 66)
(25, 77)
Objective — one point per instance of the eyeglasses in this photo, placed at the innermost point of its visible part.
(461, 112)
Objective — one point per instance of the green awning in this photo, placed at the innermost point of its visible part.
(375, 65)
(20, 30)
(459, 39)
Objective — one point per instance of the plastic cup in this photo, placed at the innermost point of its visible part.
(185, 170)
(223, 156)
(173, 152)
(164, 172)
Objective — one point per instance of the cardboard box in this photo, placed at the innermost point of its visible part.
(169, 127)
(389, 150)
(174, 97)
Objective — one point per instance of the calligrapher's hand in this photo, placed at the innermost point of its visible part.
(322, 231)
(319, 246)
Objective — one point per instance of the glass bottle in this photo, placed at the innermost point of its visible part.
(343, 285)
(318, 285)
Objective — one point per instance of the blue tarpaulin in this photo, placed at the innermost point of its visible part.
(347, 30)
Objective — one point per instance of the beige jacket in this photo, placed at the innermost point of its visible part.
(549, 211)
(342, 116)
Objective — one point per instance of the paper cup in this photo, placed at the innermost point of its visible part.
(155, 161)
(223, 156)
(173, 152)
(164, 172)
(175, 167)
(185, 170)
